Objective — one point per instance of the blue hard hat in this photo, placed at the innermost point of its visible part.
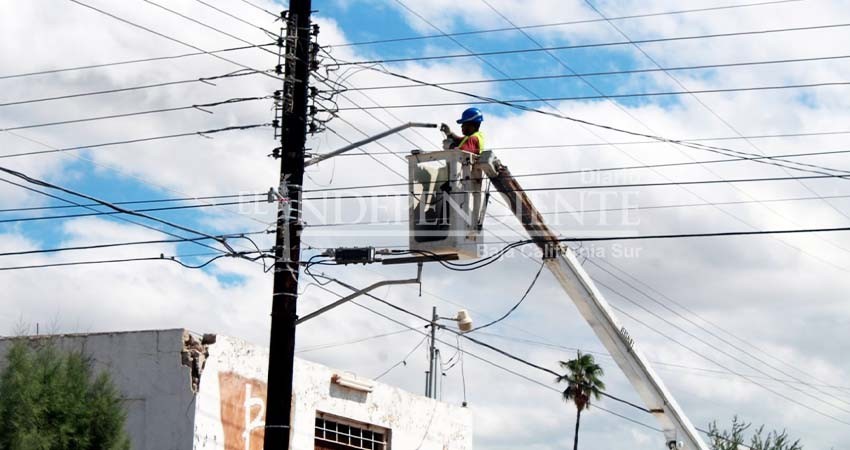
(471, 115)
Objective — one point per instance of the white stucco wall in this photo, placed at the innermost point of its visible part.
(416, 422)
(226, 413)
(145, 367)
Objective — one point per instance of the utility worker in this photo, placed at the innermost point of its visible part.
(472, 140)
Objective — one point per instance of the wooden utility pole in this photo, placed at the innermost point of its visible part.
(292, 121)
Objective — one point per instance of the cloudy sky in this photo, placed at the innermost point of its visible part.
(754, 326)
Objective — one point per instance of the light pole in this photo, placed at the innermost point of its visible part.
(464, 324)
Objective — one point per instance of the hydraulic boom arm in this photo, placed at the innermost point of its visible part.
(560, 260)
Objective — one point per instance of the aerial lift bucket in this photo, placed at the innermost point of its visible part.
(446, 203)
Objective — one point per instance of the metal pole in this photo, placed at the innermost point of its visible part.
(369, 139)
(293, 137)
(431, 391)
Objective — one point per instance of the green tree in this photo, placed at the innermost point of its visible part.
(50, 400)
(735, 438)
(583, 380)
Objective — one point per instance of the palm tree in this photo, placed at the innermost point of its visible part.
(583, 381)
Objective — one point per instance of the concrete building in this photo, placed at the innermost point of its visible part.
(189, 392)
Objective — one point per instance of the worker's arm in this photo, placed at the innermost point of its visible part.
(448, 132)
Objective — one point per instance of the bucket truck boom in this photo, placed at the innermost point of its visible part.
(561, 261)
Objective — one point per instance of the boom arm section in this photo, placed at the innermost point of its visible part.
(561, 261)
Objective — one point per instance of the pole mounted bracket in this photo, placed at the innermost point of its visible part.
(353, 145)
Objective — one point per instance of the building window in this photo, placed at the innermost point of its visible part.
(334, 433)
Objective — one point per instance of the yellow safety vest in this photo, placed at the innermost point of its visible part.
(480, 137)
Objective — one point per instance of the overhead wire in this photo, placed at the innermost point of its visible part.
(606, 73)
(247, 2)
(593, 210)
(725, 331)
(738, 349)
(206, 25)
(594, 170)
(482, 359)
(403, 360)
(199, 107)
(349, 342)
(693, 95)
(125, 260)
(114, 207)
(237, 18)
(107, 213)
(672, 339)
(121, 218)
(471, 54)
(590, 126)
(131, 61)
(139, 178)
(135, 141)
(602, 186)
(205, 80)
(660, 364)
(137, 202)
(476, 341)
(559, 24)
(170, 38)
(127, 244)
(608, 96)
(517, 305)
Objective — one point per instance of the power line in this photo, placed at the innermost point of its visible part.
(135, 141)
(594, 45)
(621, 143)
(585, 124)
(235, 17)
(123, 219)
(136, 202)
(473, 355)
(606, 169)
(604, 186)
(608, 73)
(205, 25)
(559, 24)
(403, 360)
(703, 104)
(128, 244)
(131, 88)
(668, 337)
(655, 363)
(600, 210)
(128, 22)
(349, 342)
(582, 122)
(260, 8)
(711, 333)
(131, 61)
(514, 308)
(114, 207)
(480, 343)
(124, 260)
(109, 213)
(199, 107)
(728, 333)
(607, 96)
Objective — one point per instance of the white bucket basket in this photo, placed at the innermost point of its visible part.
(445, 203)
